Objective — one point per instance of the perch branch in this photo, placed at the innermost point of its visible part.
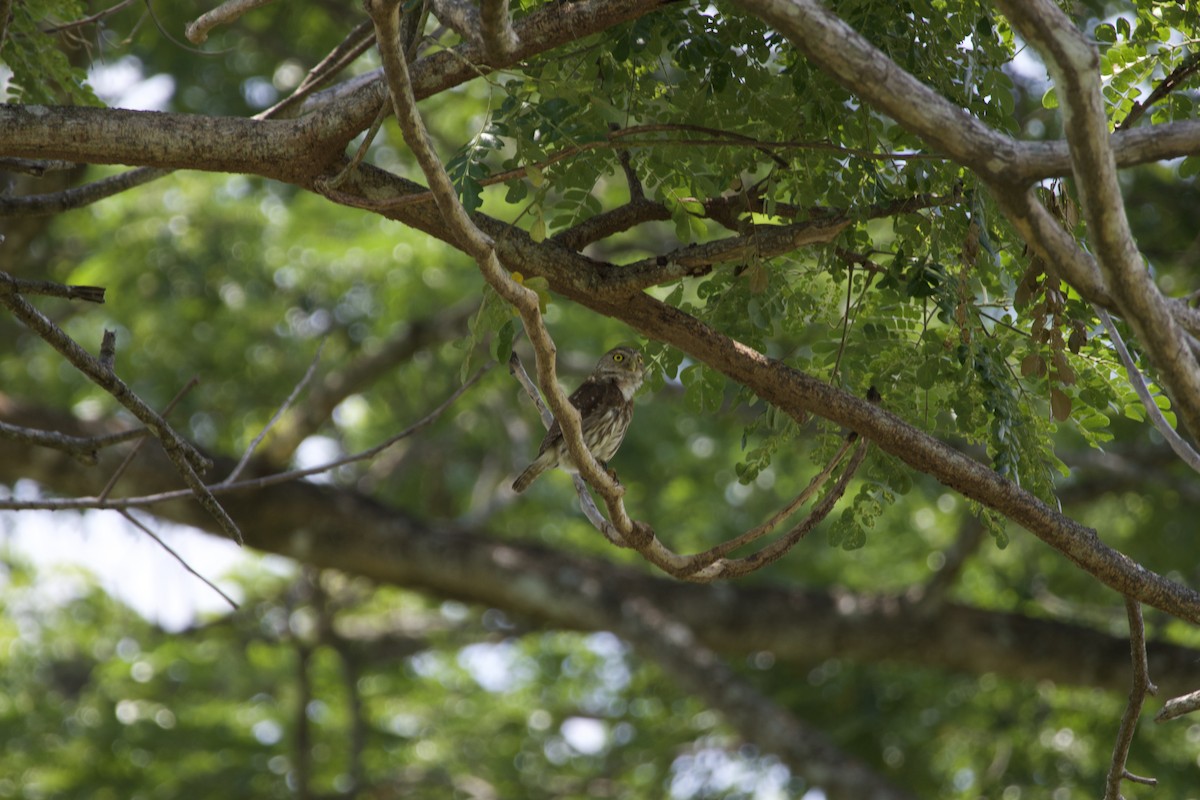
(711, 564)
(481, 247)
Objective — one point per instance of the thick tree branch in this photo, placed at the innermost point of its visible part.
(674, 646)
(294, 151)
(587, 282)
(459, 16)
(341, 529)
(499, 39)
(857, 64)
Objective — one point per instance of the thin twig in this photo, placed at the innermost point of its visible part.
(35, 205)
(328, 184)
(83, 448)
(92, 294)
(124, 465)
(287, 403)
(517, 370)
(1177, 443)
(733, 568)
(91, 367)
(708, 557)
(251, 483)
(85, 21)
(357, 42)
(37, 167)
(186, 458)
(1137, 697)
(124, 513)
(1178, 76)
(6, 10)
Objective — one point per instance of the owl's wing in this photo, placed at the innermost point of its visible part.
(590, 394)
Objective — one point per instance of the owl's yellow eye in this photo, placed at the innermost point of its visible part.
(618, 358)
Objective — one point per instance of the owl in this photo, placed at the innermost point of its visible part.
(605, 403)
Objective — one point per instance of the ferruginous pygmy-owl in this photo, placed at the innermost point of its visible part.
(605, 403)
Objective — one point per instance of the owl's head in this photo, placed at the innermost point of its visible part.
(624, 364)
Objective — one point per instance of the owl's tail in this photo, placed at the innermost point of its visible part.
(530, 474)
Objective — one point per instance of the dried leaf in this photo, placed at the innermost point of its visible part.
(1060, 405)
(758, 277)
(1033, 366)
(1078, 337)
(1062, 369)
(1028, 287)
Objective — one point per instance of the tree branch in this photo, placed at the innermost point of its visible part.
(1176, 442)
(287, 403)
(1137, 697)
(185, 457)
(84, 448)
(481, 247)
(499, 39)
(198, 30)
(460, 16)
(808, 752)
(1074, 65)
(339, 528)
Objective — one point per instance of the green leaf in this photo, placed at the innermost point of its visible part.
(503, 340)
(1189, 167)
